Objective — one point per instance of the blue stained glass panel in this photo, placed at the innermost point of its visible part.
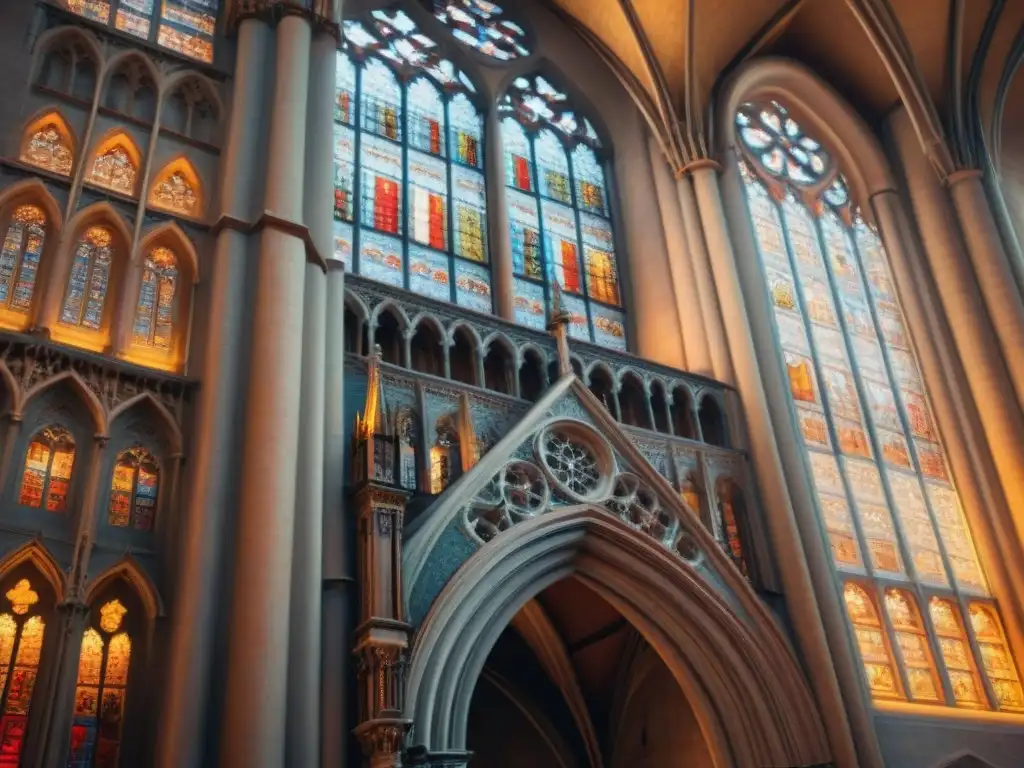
(467, 128)
(518, 162)
(343, 243)
(473, 286)
(552, 167)
(561, 249)
(470, 214)
(599, 258)
(529, 304)
(381, 101)
(382, 186)
(345, 89)
(426, 117)
(525, 226)
(428, 273)
(579, 327)
(344, 172)
(609, 327)
(380, 258)
(428, 200)
(590, 189)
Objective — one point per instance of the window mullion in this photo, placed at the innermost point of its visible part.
(545, 274)
(798, 297)
(912, 447)
(450, 203)
(406, 181)
(581, 257)
(357, 167)
(15, 647)
(44, 501)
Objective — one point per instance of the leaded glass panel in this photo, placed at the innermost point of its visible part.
(20, 257)
(481, 25)
(86, 293)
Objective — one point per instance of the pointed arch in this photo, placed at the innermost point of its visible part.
(749, 694)
(160, 286)
(115, 163)
(395, 309)
(49, 143)
(90, 267)
(130, 56)
(431, 320)
(35, 552)
(176, 188)
(34, 191)
(465, 325)
(58, 35)
(146, 402)
(78, 385)
(130, 571)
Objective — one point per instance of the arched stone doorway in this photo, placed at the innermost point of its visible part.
(571, 684)
(749, 701)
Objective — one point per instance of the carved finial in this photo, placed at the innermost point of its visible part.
(374, 416)
(378, 353)
(558, 326)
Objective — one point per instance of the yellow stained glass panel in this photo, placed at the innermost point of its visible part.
(996, 657)
(956, 654)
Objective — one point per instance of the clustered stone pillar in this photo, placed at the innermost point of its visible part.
(695, 341)
(973, 335)
(184, 724)
(707, 298)
(257, 675)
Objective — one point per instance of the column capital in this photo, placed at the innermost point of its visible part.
(323, 14)
(701, 164)
(962, 174)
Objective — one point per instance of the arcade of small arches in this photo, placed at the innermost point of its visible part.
(460, 352)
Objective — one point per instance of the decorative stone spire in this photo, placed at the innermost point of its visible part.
(558, 326)
(372, 435)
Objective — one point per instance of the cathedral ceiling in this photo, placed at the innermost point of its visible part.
(677, 51)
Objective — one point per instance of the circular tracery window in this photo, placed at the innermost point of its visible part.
(577, 461)
(779, 142)
(524, 489)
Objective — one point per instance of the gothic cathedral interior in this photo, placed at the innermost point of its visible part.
(517, 384)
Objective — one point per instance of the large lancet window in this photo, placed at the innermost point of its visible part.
(409, 197)
(103, 666)
(888, 503)
(47, 144)
(559, 213)
(184, 26)
(47, 472)
(21, 644)
(22, 251)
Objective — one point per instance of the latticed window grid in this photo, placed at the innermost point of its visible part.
(893, 518)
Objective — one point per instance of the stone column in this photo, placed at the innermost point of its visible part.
(304, 674)
(804, 562)
(995, 278)
(257, 673)
(498, 221)
(718, 348)
(972, 465)
(336, 718)
(691, 321)
(211, 487)
(50, 736)
(973, 335)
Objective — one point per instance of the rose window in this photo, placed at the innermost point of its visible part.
(524, 489)
(572, 462)
(780, 144)
(638, 506)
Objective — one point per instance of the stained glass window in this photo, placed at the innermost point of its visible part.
(997, 660)
(445, 459)
(154, 311)
(185, 26)
(20, 257)
(86, 293)
(882, 482)
(133, 490)
(103, 666)
(481, 25)
(47, 145)
(409, 191)
(874, 647)
(47, 473)
(115, 165)
(406, 431)
(176, 189)
(21, 645)
(559, 216)
(728, 501)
